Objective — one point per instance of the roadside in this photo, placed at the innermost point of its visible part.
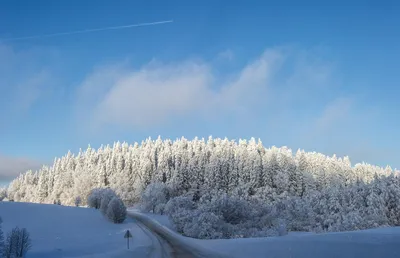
(179, 246)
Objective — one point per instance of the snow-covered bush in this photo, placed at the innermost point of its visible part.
(206, 225)
(17, 244)
(94, 198)
(232, 210)
(182, 217)
(116, 211)
(281, 227)
(154, 197)
(105, 200)
(3, 193)
(179, 203)
(96, 195)
(224, 216)
(297, 213)
(110, 205)
(78, 201)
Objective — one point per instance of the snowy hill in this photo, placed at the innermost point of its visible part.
(59, 231)
(198, 165)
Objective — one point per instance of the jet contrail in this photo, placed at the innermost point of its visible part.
(88, 31)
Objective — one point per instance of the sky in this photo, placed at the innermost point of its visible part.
(304, 74)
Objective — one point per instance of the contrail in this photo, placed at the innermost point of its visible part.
(88, 31)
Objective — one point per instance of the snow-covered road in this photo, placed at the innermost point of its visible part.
(159, 247)
(168, 244)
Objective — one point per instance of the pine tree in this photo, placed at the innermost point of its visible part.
(193, 167)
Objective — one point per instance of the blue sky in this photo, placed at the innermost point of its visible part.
(321, 77)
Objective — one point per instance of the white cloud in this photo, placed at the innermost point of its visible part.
(11, 167)
(157, 92)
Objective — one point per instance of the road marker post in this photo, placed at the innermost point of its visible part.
(127, 236)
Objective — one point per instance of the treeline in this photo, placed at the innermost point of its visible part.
(196, 167)
(236, 215)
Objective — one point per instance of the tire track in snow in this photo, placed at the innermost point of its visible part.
(175, 245)
(159, 248)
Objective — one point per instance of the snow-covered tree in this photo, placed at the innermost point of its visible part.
(94, 198)
(116, 211)
(18, 243)
(78, 201)
(154, 198)
(3, 193)
(330, 188)
(105, 201)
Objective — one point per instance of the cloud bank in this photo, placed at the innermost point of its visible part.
(157, 92)
(11, 167)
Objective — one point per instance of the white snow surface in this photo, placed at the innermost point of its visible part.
(372, 243)
(162, 219)
(61, 231)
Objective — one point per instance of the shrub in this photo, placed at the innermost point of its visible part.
(224, 216)
(3, 194)
(104, 203)
(205, 226)
(154, 197)
(116, 211)
(18, 243)
(179, 203)
(78, 201)
(95, 196)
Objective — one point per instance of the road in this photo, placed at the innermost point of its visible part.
(167, 244)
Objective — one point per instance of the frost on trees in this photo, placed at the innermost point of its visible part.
(202, 168)
(3, 193)
(196, 166)
(105, 201)
(154, 198)
(116, 211)
(78, 201)
(18, 243)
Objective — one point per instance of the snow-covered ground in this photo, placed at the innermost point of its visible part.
(372, 243)
(59, 231)
(376, 243)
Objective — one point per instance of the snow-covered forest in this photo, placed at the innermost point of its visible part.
(223, 167)
(198, 166)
